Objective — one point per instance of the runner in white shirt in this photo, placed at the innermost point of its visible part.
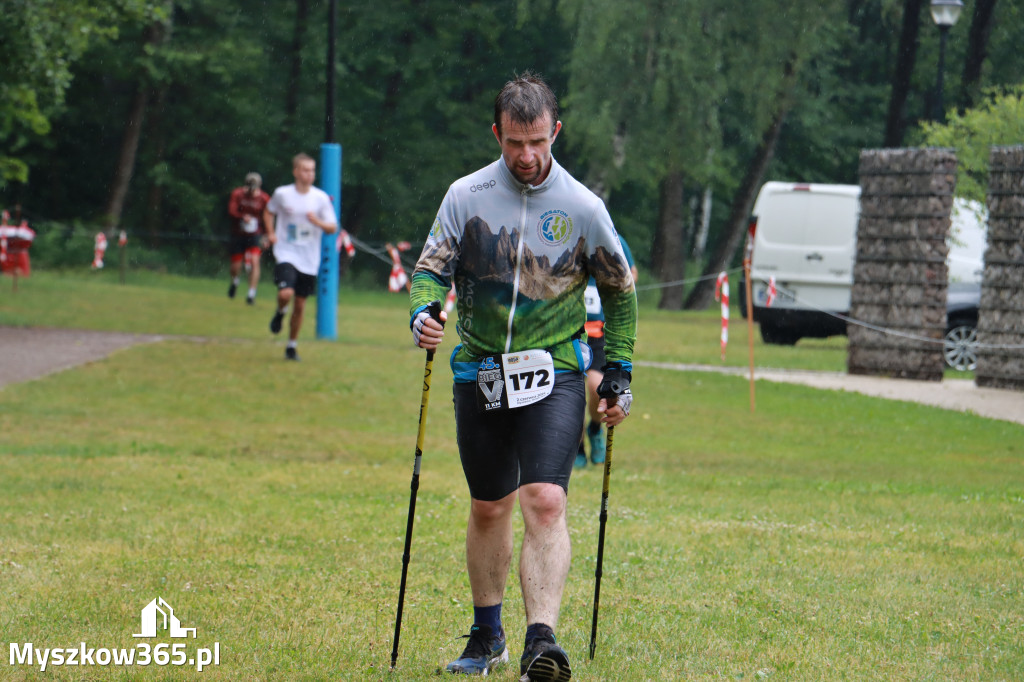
(303, 214)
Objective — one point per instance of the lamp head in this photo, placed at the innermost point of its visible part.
(946, 12)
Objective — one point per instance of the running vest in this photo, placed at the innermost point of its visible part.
(520, 257)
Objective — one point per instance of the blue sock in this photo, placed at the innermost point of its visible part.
(593, 428)
(488, 615)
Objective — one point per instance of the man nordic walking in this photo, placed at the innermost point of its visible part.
(520, 238)
(303, 213)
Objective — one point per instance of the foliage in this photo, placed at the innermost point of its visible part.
(997, 120)
(42, 42)
(646, 87)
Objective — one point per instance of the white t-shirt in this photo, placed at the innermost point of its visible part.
(298, 240)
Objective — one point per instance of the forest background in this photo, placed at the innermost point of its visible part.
(142, 115)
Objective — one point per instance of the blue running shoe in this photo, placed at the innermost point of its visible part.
(597, 446)
(544, 661)
(484, 652)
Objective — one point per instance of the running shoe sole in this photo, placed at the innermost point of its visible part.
(491, 664)
(549, 666)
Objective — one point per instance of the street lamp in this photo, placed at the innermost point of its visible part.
(945, 14)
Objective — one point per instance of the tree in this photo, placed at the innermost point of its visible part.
(906, 53)
(977, 51)
(998, 120)
(41, 43)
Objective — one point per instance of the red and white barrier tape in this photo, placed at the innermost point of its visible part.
(722, 294)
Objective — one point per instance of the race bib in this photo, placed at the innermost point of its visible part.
(250, 225)
(299, 232)
(514, 379)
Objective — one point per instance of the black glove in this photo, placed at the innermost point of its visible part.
(614, 387)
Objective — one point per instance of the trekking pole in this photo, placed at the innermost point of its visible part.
(600, 538)
(434, 309)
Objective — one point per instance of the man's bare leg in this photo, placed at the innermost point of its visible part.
(544, 561)
(489, 548)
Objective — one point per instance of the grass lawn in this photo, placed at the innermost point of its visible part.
(828, 536)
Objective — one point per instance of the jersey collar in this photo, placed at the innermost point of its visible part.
(510, 180)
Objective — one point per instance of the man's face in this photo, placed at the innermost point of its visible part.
(527, 149)
(304, 172)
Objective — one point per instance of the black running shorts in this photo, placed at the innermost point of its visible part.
(287, 277)
(502, 450)
(240, 243)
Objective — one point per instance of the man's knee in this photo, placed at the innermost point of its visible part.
(542, 503)
(490, 512)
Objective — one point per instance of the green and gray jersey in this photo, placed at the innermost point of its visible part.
(520, 257)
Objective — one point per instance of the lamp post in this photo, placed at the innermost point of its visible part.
(945, 14)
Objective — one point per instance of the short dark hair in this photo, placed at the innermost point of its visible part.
(525, 99)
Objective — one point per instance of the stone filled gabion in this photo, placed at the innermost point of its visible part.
(900, 276)
(1001, 313)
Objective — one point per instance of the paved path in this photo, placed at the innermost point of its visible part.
(31, 352)
(961, 395)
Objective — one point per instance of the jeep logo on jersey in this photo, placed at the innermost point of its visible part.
(555, 227)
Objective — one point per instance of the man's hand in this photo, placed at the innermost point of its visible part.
(329, 228)
(427, 331)
(616, 398)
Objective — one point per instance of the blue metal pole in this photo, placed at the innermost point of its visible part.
(327, 281)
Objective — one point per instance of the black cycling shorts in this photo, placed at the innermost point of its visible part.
(502, 450)
(287, 277)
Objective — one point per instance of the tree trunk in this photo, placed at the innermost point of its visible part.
(906, 55)
(977, 51)
(702, 294)
(126, 160)
(155, 128)
(291, 104)
(668, 259)
(700, 242)
(156, 34)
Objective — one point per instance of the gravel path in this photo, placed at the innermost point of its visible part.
(961, 395)
(31, 352)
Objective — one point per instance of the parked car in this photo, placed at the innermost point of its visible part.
(805, 236)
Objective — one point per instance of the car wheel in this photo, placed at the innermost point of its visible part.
(959, 347)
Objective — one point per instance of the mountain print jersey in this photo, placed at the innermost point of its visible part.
(520, 257)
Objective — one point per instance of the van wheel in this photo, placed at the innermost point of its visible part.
(959, 347)
(778, 336)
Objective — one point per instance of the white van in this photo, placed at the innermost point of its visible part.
(805, 236)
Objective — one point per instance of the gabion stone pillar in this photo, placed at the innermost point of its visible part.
(1001, 314)
(900, 276)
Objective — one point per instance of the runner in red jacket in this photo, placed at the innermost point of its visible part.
(246, 208)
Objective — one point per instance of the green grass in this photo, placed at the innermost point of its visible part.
(828, 536)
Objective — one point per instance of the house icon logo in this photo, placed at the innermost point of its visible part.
(158, 614)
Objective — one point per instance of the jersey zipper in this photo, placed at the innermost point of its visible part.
(518, 271)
